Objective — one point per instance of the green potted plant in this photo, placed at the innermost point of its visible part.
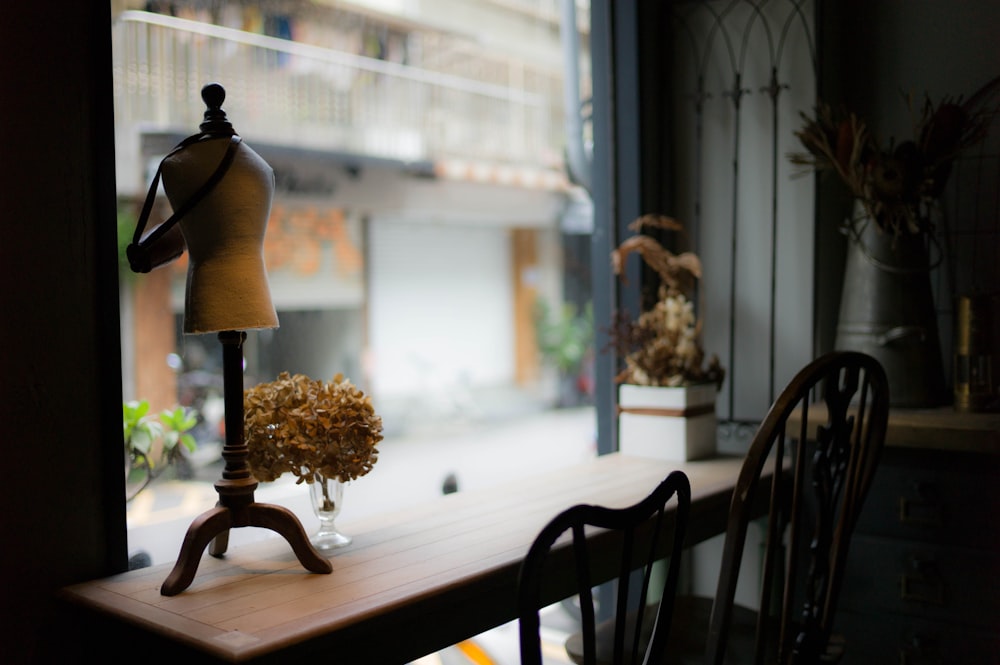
(667, 386)
(154, 443)
(565, 338)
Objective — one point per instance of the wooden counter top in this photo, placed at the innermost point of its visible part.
(941, 428)
(411, 583)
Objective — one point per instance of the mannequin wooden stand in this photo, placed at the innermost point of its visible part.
(236, 506)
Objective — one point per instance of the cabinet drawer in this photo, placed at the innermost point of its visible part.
(931, 496)
(897, 640)
(923, 579)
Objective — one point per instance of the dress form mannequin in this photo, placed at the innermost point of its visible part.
(227, 285)
(221, 192)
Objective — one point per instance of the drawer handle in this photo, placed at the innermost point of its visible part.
(921, 512)
(907, 657)
(920, 651)
(924, 584)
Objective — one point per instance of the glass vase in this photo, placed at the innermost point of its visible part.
(327, 495)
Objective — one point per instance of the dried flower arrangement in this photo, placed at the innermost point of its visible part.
(310, 428)
(662, 346)
(897, 184)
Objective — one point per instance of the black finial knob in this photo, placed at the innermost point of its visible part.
(213, 94)
(215, 121)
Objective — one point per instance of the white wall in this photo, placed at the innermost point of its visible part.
(441, 307)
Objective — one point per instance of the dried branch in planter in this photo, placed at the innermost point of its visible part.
(897, 183)
(678, 272)
(653, 221)
(662, 347)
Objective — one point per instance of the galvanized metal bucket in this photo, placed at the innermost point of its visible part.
(887, 311)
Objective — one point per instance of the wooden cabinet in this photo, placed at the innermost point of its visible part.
(923, 578)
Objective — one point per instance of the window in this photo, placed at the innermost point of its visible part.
(679, 142)
(423, 215)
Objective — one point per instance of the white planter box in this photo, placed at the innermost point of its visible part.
(668, 423)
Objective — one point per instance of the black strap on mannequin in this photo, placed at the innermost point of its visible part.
(138, 252)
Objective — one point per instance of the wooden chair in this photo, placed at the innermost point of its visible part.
(646, 532)
(839, 406)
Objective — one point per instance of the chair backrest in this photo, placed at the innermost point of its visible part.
(640, 535)
(826, 429)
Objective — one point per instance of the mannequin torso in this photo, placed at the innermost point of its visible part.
(227, 287)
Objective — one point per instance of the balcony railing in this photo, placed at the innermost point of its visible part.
(301, 95)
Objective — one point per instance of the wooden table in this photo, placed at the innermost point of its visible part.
(412, 582)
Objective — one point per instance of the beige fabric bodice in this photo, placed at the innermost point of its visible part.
(227, 286)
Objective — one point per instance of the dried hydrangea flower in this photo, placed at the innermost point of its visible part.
(309, 427)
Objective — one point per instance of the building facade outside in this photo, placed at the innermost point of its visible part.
(422, 209)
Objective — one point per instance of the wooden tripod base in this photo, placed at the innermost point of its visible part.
(236, 506)
(213, 526)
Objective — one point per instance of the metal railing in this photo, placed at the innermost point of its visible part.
(301, 95)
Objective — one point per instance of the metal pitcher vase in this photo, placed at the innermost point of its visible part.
(887, 311)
